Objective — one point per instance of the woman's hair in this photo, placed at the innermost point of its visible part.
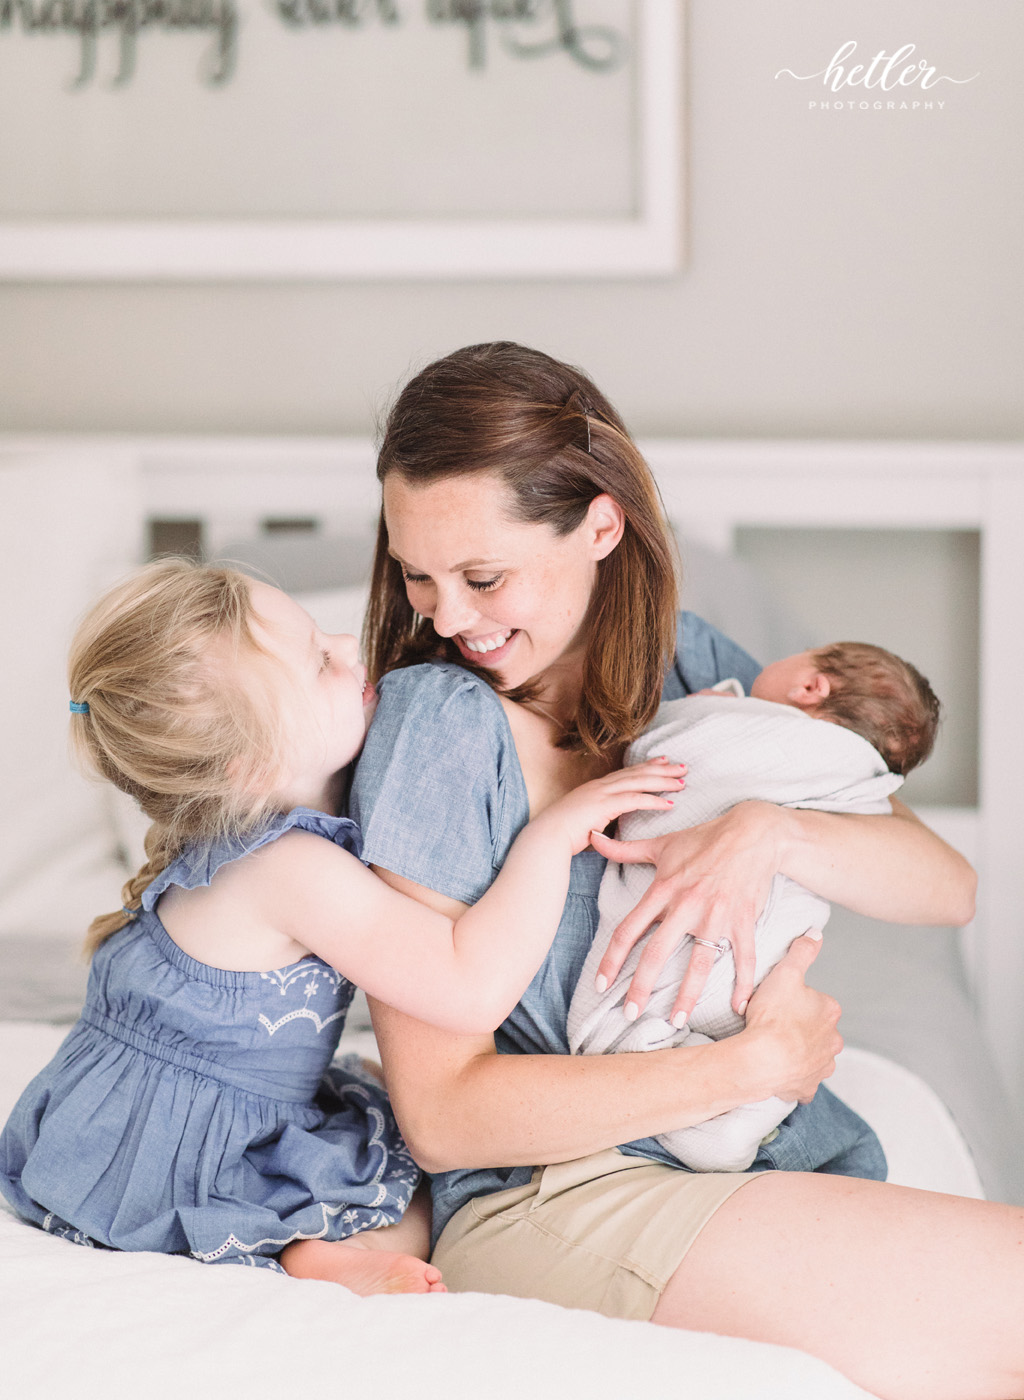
(548, 433)
(882, 698)
(168, 721)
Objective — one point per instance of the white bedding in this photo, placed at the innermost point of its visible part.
(101, 1324)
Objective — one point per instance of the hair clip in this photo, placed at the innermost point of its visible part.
(79, 707)
(587, 416)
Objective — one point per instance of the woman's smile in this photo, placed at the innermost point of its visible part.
(511, 595)
(487, 650)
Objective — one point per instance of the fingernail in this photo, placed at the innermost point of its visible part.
(671, 801)
(682, 782)
(679, 1020)
(631, 1011)
(601, 982)
(814, 933)
(742, 1009)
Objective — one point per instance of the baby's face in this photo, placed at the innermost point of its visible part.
(795, 680)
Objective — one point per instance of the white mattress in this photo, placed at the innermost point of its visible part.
(99, 1326)
(96, 1323)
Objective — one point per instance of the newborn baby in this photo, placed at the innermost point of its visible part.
(834, 729)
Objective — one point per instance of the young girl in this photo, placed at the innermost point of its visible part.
(193, 1109)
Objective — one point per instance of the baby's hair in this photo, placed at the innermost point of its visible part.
(881, 697)
(167, 722)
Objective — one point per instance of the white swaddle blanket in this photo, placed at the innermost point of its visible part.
(735, 750)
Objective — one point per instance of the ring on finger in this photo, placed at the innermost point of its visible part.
(721, 947)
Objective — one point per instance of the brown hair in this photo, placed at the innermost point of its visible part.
(881, 697)
(166, 723)
(549, 434)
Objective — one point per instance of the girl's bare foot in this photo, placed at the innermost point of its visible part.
(362, 1268)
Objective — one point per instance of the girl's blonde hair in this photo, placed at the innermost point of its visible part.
(170, 721)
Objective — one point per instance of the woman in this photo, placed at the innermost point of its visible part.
(522, 546)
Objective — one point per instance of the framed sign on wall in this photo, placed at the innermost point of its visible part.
(333, 139)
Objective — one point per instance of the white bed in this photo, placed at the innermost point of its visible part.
(107, 1324)
(72, 515)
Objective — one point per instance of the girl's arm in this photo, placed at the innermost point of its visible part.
(713, 881)
(460, 1104)
(466, 977)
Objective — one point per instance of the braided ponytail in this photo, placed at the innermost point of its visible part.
(160, 851)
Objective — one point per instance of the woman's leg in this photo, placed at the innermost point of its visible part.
(390, 1260)
(912, 1294)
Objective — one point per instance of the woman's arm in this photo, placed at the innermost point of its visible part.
(713, 880)
(460, 1104)
(863, 863)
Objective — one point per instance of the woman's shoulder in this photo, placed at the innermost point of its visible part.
(432, 683)
(442, 705)
(704, 656)
(438, 792)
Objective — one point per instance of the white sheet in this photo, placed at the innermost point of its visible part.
(95, 1323)
(100, 1324)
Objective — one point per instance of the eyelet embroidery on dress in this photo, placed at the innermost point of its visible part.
(303, 1013)
(314, 974)
(402, 1173)
(286, 977)
(377, 1221)
(54, 1225)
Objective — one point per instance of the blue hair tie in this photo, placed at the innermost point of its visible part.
(130, 912)
(79, 707)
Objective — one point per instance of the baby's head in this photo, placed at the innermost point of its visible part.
(212, 700)
(864, 688)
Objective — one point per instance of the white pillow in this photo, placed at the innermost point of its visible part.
(69, 524)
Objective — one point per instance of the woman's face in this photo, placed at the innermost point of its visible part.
(510, 595)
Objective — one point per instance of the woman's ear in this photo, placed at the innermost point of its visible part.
(606, 521)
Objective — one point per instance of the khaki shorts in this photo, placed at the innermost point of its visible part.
(604, 1232)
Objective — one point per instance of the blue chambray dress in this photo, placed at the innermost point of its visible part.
(196, 1111)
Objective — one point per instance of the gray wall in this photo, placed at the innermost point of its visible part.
(848, 273)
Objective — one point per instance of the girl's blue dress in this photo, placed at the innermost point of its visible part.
(196, 1111)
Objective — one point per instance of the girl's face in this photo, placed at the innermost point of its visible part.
(323, 692)
(510, 595)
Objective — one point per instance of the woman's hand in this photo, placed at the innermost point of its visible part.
(794, 1026)
(587, 810)
(711, 881)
